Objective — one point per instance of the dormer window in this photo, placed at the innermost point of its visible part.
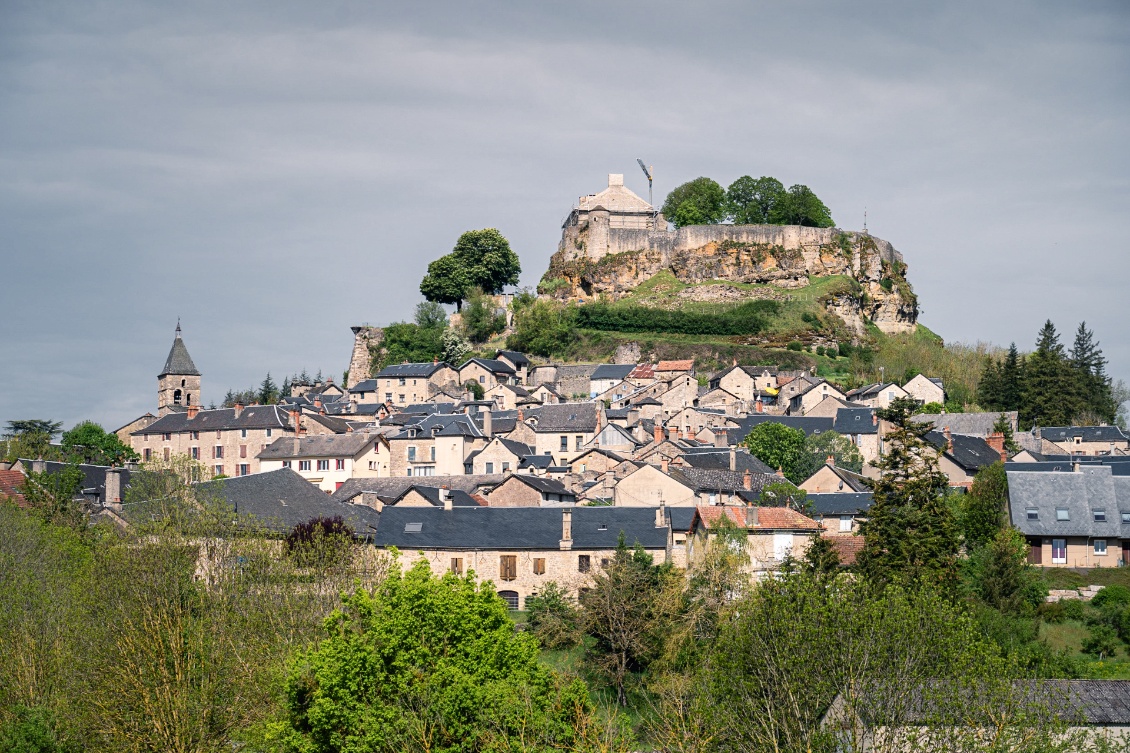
(1100, 515)
(1061, 513)
(1033, 513)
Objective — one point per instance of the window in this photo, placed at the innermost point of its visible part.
(286, 464)
(388, 397)
(1033, 513)
(712, 499)
(1126, 517)
(482, 380)
(845, 522)
(539, 566)
(507, 567)
(303, 465)
(577, 442)
(433, 453)
(505, 467)
(411, 454)
(564, 444)
(243, 433)
(510, 597)
(194, 452)
(219, 470)
(166, 453)
(1059, 551)
(323, 465)
(339, 464)
(243, 450)
(490, 468)
(1061, 513)
(457, 565)
(244, 469)
(604, 563)
(268, 432)
(402, 397)
(194, 435)
(167, 437)
(583, 564)
(1100, 515)
(403, 381)
(148, 454)
(1100, 547)
(218, 452)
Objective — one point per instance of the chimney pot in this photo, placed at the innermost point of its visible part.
(733, 458)
(780, 472)
(751, 516)
(747, 480)
(830, 460)
(665, 464)
(658, 432)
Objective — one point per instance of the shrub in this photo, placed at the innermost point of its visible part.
(795, 345)
(320, 542)
(553, 618)
(887, 284)
(932, 408)
(1124, 624)
(1115, 594)
(744, 319)
(809, 317)
(1052, 612)
(1101, 642)
(820, 350)
(1073, 609)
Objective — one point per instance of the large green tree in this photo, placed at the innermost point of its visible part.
(753, 202)
(780, 447)
(1094, 385)
(88, 442)
(800, 206)
(697, 202)
(481, 258)
(910, 534)
(984, 508)
(426, 663)
(1051, 385)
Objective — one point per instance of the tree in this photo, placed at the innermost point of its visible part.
(819, 447)
(910, 534)
(1051, 396)
(697, 202)
(553, 617)
(20, 427)
(1011, 380)
(408, 342)
(543, 328)
(481, 258)
(778, 446)
(999, 574)
(88, 442)
(474, 388)
(430, 315)
(800, 206)
(268, 391)
(783, 494)
(821, 558)
(455, 346)
(427, 663)
(984, 508)
(753, 202)
(480, 319)
(1003, 426)
(1094, 386)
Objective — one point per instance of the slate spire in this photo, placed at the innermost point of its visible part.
(179, 361)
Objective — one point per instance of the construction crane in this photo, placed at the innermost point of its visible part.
(647, 172)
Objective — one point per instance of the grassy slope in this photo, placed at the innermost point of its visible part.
(1071, 633)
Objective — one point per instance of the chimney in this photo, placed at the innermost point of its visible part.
(445, 497)
(733, 458)
(735, 362)
(678, 433)
(370, 499)
(113, 487)
(658, 432)
(488, 423)
(874, 418)
(661, 515)
(747, 480)
(780, 472)
(39, 465)
(721, 437)
(633, 416)
(295, 419)
(996, 441)
(238, 409)
(192, 411)
(615, 179)
(665, 464)
(949, 438)
(521, 416)
(751, 516)
(566, 528)
(758, 406)
(435, 360)
(317, 401)
(830, 460)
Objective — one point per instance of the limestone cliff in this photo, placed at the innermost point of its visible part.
(595, 261)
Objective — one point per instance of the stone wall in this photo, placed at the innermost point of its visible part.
(360, 362)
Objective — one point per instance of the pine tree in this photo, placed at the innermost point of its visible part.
(911, 534)
(1012, 380)
(268, 391)
(989, 392)
(1050, 395)
(284, 391)
(1094, 384)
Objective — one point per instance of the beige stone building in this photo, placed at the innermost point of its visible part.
(925, 390)
(329, 460)
(410, 383)
(521, 549)
(487, 372)
(525, 490)
(563, 430)
(178, 384)
(772, 533)
(879, 395)
(1088, 440)
(745, 382)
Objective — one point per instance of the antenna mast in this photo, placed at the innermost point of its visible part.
(647, 173)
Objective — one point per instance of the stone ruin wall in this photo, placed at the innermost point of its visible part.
(360, 363)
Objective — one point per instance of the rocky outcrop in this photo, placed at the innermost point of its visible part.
(365, 338)
(783, 257)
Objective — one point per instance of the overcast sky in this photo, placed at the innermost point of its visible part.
(276, 173)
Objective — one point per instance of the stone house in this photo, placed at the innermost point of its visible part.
(613, 438)
(926, 389)
(329, 460)
(521, 549)
(830, 479)
(1076, 519)
(227, 440)
(563, 430)
(649, 486)
(879, 395)
(595, 460)
(667, 370)
(862, 427)
(694, 419)
(365, 392)
(681, 392)
(518, 362)
(500, 455)
(971, 424)
(436, 446)
(962, 456)
(772, 533)
(1087, 440)
(487, 372)
(745, 382)
(545, 394)
(606, 376)
(527, 490)
(725, 401)
(508, 396)
(431, 496)
(178, 384)
(840, 513)
(830, 406)
(410, 383)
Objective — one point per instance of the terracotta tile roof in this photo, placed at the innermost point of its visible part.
(847, 547)
(768, 518)
(783, 380)
(643, 371)
(10, 483)
(686, 365)
(481, 500)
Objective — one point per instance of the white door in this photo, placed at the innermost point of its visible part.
(782, 544)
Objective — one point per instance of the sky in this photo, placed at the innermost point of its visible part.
(272, 173)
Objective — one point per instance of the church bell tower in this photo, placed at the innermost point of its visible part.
(178, 384)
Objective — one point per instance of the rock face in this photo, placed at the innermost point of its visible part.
(364, 338)
(595, 261)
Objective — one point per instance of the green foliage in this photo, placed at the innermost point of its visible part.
(20, 427)
(779, 447)
(744, 319)
(984, 509)
(430, 315)
(910, 534)
(475, 388)
(796, 345)
(268, 391)
(800, 206)
(783, 494)
(429, 663)
(55, 497)
(931, 408)
(32, 731)
(1049, 396)
(543, 327)
(1102, 642)
(959, 365)
(455, 346)
(88, 442)
(753, 202)
(821, 558)
(481, 259)
(407, 341)
(1115, 594)
(480, 319)
(30, 438)
(697, 202)
(999, 574)
(817, 449)
(554, 618)
(320, 542)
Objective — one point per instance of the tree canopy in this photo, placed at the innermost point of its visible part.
(88, 442)
(697, 202)
(748, 201)
(481, 259)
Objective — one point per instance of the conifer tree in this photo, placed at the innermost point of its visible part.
(268, 391)
(911, 534)
(1093, 382)
(1050, 396)
(989, 392)
(1011, 380)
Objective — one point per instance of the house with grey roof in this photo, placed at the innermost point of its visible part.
(879, 395)
(329, 460)
(608, 375)
(926, 389)
(563, 430)
(962, 456)
(409, 383)
(839, 512)
(1076, 519)
(527, 490)
(970, 424)
(1087, 440)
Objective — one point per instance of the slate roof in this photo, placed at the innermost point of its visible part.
(391, 488)
(1067, 434)
(855, 421)
(282, 499)
(397, 370)
(565, 417)
(808, 424)
(179, 361)
(459, 498)
(853, 481)
(974, 424)
(709, 480)
(516, 358)
(492, 365)
(869, 391)
(970, 453)
(615, 371)
(334, 424)
(93, 476)
(680, 518)
(1092, 488)
(854, 503)
(542, 484)
(718, 458)
(517, 528)
(536, 461)
(252, 417)
(365, 385)
(317, 446)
